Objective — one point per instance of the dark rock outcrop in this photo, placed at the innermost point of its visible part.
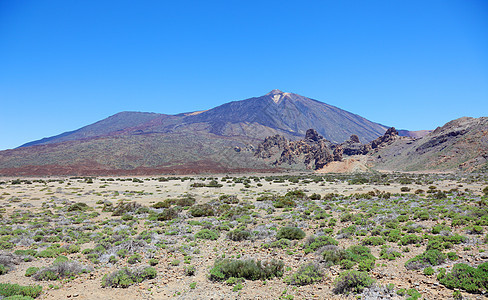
(386, 139)
(314, 152)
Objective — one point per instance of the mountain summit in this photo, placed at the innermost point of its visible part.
(204, 140)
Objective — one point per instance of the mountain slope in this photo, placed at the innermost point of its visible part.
(274, 113)
(219, 139)
(461, 144)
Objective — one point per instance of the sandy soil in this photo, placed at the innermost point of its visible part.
(171, 281)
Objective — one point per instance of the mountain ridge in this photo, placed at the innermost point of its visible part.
(286, 113)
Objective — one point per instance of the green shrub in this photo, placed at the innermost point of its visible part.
(414, 294)
(190, 270)
(31, 271)
(9, 289)
(248, 269)
(429, 271)
(207, 234)
(126, 277)
(452, 256)
(306, 274)
(133, 259)
(78, 207)
(428, 258)
(167, 214)
(373, 241)
(470, 279)
(315, 242)
(333, 255)
(366, 265)
(160, 204)
(284, 202)
(347, 264)
(352, 281)
(410, 239)
(47, 253)
(125, 207)
(291, 233)
(202, 210)
(389, 253)
(61, 269)
(283, 244)
(239, 235)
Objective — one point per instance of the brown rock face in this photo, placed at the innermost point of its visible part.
(271, 145)
(354, 138)
(386, 139)
(314, 151)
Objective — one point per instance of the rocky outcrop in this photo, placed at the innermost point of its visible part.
(314, 151)
(354, 147)
(270, 146)
(389, 137)
(460, 145)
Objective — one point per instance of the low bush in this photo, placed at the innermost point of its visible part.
(352, 281)
(306, 274)
(284, 202)
(248, 269)
(161, 204)
(428, 258)
(123, 208)
(389, 253)
(315, 242)
(373, 241)
(333, 255)
(60, 270)
(9, 289)
(126, 277)
(167, 214)
(429, 271)
(202, 210)
(410, 239)
(31, 271)
(282, 244)
(207, 234)
(78, 207)
(291, 233)
(239, 235)
(463, 276)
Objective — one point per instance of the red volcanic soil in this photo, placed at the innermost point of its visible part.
(88, 169)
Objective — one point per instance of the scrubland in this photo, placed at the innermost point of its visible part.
(301, 236)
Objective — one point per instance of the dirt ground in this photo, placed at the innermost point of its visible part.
(55, 194)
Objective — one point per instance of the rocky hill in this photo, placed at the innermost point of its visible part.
(459, 145)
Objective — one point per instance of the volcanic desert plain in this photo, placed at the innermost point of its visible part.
(260, 236)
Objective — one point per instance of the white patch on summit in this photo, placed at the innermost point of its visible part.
(277, 98)
(277, 95)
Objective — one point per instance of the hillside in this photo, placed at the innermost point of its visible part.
(204, 141)
(459, 145)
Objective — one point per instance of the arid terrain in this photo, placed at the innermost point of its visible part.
(397, 235)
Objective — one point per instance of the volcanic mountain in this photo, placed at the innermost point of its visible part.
(220, 139)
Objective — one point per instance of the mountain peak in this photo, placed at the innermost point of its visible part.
(274, 92)
(277, 95)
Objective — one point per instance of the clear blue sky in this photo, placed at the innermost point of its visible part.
(408, 64)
